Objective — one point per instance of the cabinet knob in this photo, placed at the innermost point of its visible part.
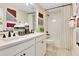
(24, 54)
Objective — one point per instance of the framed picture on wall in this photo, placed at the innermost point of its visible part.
(10, 18)
(40, 22)
(40, 19)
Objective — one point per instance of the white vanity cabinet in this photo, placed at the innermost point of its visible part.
(14, 50)
(33, 45)
(41, 45)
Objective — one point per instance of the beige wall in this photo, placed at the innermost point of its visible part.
(74, 8)
(21, 16)
(30, 21)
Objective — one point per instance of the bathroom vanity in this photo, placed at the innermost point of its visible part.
(28, 45)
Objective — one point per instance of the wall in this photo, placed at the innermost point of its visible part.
(21, 16)
(30, 21)
(74, 9)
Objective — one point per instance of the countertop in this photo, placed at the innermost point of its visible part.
(8, 42)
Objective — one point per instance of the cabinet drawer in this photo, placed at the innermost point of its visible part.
(15, 49)
(28, 52)
(41, 48)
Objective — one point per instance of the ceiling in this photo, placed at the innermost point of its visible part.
(20, 6)
(52, 5)
(30, 8)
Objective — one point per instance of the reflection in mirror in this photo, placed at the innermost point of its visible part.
(12, 14)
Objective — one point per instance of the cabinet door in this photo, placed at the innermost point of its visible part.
(28, 52)
(43, 47)
(39, 48)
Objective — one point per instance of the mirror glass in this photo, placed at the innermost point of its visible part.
(15, 13)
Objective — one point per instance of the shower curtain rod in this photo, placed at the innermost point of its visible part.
(58, 7)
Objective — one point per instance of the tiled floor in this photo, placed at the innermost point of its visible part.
(57, 52)
(54, 48)
(62, 52)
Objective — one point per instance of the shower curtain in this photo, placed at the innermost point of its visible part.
(60, 30)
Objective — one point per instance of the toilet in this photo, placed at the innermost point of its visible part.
(53, 46)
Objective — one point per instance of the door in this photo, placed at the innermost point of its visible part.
(58, 27)
(39, 48)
